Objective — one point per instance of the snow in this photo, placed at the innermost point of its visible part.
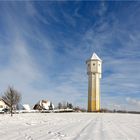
(70, 126)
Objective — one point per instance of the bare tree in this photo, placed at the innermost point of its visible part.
(11, 97)
(64, 106)
(59, 105)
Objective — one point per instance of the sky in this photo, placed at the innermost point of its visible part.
(44, 46)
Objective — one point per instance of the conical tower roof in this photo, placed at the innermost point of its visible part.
(95, 57)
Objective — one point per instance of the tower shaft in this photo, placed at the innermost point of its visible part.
(93, 92)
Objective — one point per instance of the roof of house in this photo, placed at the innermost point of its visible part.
(3, 101)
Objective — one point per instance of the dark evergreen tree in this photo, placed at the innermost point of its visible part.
(70, 106)
(51, 106)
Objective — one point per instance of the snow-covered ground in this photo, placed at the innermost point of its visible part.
(70, 126)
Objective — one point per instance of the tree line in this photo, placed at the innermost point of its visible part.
(65, 105)
(12, 98)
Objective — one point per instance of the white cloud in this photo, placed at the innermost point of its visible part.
(133, 101)
(102, 9)
(71, 81)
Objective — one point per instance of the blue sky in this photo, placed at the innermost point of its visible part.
(44, 46)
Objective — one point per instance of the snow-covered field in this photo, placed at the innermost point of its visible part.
(70, 126)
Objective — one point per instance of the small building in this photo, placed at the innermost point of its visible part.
(26, 107)
(3, 105)
(44, 105)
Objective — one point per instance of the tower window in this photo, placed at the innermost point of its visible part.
(93, 64)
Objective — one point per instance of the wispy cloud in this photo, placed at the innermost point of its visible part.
(133, 101)
(43, 50)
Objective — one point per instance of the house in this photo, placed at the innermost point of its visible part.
(3, 105)
(44, 105)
